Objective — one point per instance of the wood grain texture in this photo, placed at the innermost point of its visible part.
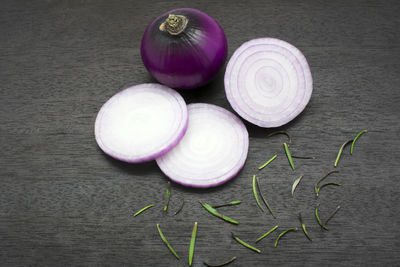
(64, 203)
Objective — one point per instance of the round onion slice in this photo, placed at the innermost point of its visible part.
(213, 150)
(141, 123)
(268, 82)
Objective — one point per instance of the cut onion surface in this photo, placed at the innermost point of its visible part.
(141, 123)
(213, 150)
(268, 82)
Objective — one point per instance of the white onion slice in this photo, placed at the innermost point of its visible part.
(141, 123)
(213, 150)
(268, 82)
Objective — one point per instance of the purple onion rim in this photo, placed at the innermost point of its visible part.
(300, 58)
(242, 159)
(158, 153)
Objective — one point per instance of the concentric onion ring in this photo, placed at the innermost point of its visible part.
(141, 123)
(213, 150)
(268, 82)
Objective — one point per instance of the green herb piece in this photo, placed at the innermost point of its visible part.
(303, 226)
(233, 203)
(281, 132)
(143, 209)
(284, 233)
(264, 200)
(268, 162)
(167, 196)
(214, 212)
(340, 151)
(288, 155)
(325, 184)
(256, 194)
(267, 233)
(318, 219)
(332, 214)
(192, 242)
(181, 206)
(355, 139)
(245, 244)
(321, 179)
(302, 157)
(296, 182)
(221, 264)
(166, 241)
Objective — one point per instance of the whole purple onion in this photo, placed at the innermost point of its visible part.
(184, 48)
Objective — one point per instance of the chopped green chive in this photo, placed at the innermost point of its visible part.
(288, 155)
(325, 184)
(302, 157)
(340, 151)
(256, 194)
(233, 203)
(181, 206)
(355, 139)
(318, 219)
(214, 212)
(245, 244)
(221, 264)
(264, 200)
(267, 233)
(167, 196)
(282, 132)
(296, 182)
(321, 179)
(284, 233)
(268, 162)
(332, 214)
(166, 241)
(303, 226)
(192, 242)
(143, 209)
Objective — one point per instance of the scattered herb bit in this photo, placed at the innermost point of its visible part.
(167, 196)
(355, 139)
(245, 244)
(302, 157)
(233, 203)
(296, 182)
(303, 226)
(283, 233)
(332, 214)
(325, 184)
(268, 162)
(221, 264)
(256, 194)
(288, 155)
(192, 242)
(181, 206)
(214, 212)
(267, 233)
(340, 151)
(321, 179)
(264, 200)
(281, 132)
(143, 209)
(166, 241)
(318, 219)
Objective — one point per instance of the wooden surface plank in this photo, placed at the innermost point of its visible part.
(63, 202)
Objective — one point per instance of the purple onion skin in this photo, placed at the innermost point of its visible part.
(190, 59)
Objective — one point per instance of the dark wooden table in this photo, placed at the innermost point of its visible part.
(64, 203)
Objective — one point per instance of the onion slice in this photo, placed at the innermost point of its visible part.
(213, 150)
(268, 82)
(141, 123)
